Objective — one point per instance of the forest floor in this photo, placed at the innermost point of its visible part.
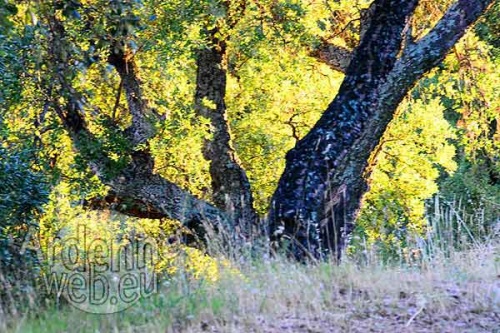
(460, 299)
(459, 292)
(356, 311)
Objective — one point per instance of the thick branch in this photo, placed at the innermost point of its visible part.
(127, 206)
(231, 188)
(337, 57)
(136, 191)
(320, 191)
(143, 117)
(137, 180)
(420, 57)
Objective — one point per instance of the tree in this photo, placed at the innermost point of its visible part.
(319, 193)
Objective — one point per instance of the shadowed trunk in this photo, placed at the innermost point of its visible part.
(319, 194)
(230, 185)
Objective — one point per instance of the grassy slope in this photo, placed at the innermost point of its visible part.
(459, 294)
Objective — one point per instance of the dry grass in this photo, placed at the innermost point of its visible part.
(444, 290)
(460, 293)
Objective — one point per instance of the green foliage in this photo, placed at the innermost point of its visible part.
(406, 166)
(10, 49)
(417, 158)
(24, 190)
(488, 28)
(472, 90)
(478, 196)
(22, 196)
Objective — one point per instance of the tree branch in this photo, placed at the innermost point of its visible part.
(136, 181)
(230, 184)
(430, 50)
(421, 56)
(337, 57)
(143, 117)
(164, 198)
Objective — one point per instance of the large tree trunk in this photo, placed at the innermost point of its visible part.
(230, 185)
(320, 192)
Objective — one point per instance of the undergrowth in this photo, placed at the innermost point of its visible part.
(434, 286)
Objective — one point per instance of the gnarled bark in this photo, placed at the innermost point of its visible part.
(230, 185)
(336, 57)
(319, 194)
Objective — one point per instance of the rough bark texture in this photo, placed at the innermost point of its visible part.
(319, 194)
(230, 185)
(138, 181)
(337, 57)
(143, 117)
